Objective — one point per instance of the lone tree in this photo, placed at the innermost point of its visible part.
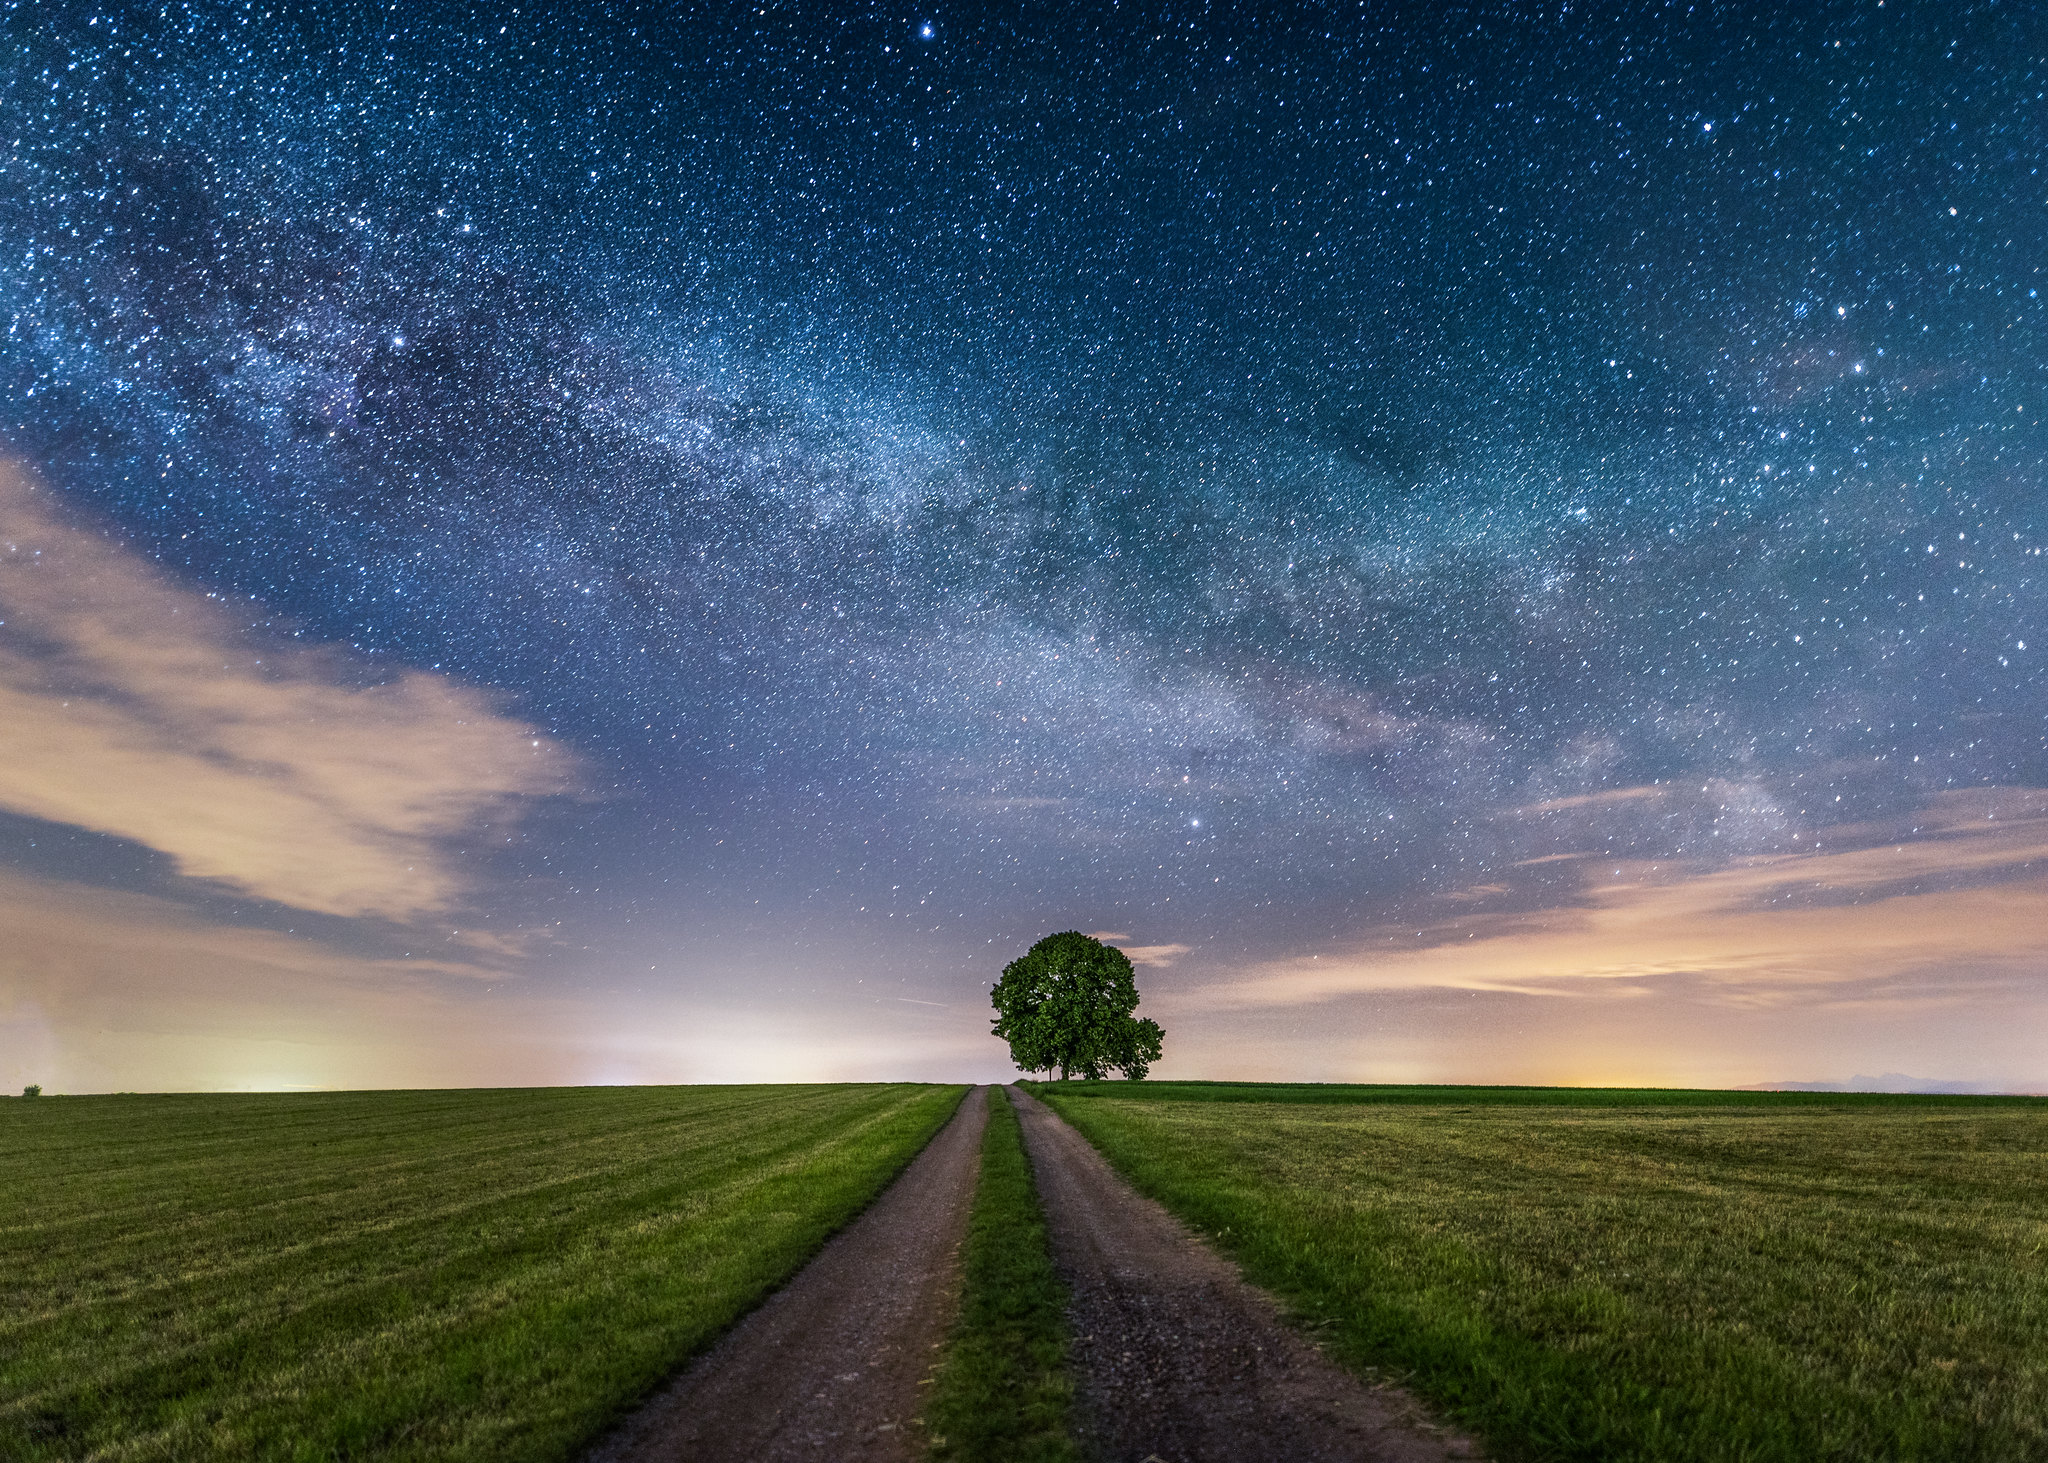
(1066, 1004)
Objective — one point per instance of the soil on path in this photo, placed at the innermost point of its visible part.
(1176, 1358)
(828, 1367)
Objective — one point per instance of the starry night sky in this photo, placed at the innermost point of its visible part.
(1285, 483)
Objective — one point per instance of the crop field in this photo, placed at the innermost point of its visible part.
(402, 1275)
(1636, 1275)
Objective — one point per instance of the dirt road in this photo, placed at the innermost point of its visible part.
(828, 1368)
(1176, 1358)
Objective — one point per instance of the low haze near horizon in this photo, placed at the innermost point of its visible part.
(623, 546)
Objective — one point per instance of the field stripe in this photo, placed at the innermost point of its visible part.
(1633, 1280)
(402, 1275)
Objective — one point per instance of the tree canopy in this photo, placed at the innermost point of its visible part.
(1066, 1005)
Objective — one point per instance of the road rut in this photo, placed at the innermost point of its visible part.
(1176, 1358)
(828, 1367)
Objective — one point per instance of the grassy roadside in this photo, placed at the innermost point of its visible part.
(486, 1275)
(1002, 1394)
(1799, 1279)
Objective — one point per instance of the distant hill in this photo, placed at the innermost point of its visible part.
(1889, 1082)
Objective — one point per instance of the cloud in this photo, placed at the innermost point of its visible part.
(1597, 799)
(104, 989)
(1160, 956)
(136, 706)
(1907, 921)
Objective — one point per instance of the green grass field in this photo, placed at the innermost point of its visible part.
(1002, 1394)
(1637, 1275)
(404, 1275)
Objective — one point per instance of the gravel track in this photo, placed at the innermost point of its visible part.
(828, 1367)
(1176, 1358)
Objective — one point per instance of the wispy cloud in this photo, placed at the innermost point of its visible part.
(133, 705)
(106, 989)
(1962, 891)
(1609, 798)
(1160, 956)
(109, 989)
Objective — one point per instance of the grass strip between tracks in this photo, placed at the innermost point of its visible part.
(1636, 1276)
(487, 1275)
(1002, 1393)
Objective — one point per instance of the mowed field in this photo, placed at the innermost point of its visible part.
(402, 1275)
(1636, 1275)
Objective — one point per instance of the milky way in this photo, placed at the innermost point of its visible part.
(962, 466)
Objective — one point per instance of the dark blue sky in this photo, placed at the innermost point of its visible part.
(1204, 473)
